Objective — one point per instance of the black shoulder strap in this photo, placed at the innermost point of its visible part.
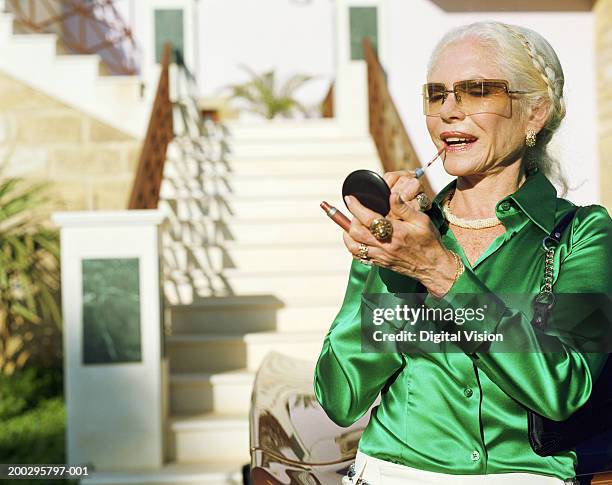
(545, 300)
(555, 235)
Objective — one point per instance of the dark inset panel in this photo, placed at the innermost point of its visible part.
(363, 23)
(111, 311)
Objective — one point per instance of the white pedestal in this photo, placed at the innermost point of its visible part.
(116, 408)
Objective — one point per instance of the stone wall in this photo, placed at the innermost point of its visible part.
(91, 165)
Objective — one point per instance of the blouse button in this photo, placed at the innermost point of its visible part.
(505, 205)
(475, 455)
(467, 392)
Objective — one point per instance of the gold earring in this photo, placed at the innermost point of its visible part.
(530, 138)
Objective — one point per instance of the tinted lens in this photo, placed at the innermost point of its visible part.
(483, 96)
(473, 97)
(433, 97)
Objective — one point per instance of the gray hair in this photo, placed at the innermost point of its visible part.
(531, 64)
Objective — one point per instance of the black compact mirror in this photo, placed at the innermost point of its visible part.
(370, 189)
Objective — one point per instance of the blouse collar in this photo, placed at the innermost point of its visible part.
(536, 198)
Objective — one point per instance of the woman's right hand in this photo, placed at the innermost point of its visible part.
(404, 187)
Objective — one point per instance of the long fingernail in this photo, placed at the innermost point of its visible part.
(348, 199)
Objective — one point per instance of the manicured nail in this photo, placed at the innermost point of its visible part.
(348, 199)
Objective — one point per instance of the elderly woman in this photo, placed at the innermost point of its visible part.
(494, 98)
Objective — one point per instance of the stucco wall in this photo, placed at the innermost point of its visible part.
(603, 16)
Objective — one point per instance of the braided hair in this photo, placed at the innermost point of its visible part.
(530, 64)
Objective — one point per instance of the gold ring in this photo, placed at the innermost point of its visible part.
(424, 202)
(363, 251)
(381, 228)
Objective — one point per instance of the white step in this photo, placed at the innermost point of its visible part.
(283, 129)
(305, 230)
(301, 345)
(200, 392)
(319, 148)
(232, 315)
(248, 314)
(193, 171)
(261, 257)
(286, 185)
(219, 473)
(206, 353)
(298, 288)
(209, 437)
(86, 67)
(298, 318)
(212, 353)
(41, 48)
(292, 288)
(121, 88)
(296, 166)
(264, 206)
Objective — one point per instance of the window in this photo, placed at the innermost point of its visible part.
(111, 311)
(168, 27)
(363, 23)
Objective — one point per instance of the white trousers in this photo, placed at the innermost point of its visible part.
(380, 472)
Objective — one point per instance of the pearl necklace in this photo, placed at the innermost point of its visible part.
(467, 223)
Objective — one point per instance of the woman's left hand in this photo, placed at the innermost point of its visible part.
(415, 248)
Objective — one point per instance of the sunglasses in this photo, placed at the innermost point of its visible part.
(473, 96)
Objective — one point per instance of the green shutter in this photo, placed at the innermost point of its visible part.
(363, 23)
(168, 27)
(111, 311)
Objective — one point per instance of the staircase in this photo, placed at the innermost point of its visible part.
(76, 80)
(252, 265)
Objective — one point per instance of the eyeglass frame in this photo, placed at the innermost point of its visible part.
(446, 92)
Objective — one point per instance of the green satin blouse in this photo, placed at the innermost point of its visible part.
(466, 412)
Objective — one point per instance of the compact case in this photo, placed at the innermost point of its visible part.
(370, 189)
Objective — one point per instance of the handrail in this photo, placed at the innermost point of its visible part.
(148, 179)
(386, 127)
(92, 27)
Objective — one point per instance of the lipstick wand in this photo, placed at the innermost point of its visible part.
(419, 172)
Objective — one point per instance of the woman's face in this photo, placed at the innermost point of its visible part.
(499, 139)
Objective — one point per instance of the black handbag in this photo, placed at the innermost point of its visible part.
(588, 430)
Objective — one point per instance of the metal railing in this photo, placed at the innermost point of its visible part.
(187, 119)
(82, 27)
(386, 127)
(147, 183)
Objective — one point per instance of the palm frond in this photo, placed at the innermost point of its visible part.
(262, 96)
(29, 267)
(293, 84)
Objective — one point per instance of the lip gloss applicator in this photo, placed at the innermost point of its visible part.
(419, 172)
